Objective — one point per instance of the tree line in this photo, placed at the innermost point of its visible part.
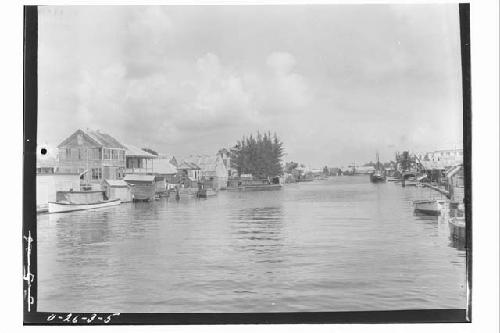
(258, 155)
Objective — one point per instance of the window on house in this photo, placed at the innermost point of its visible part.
(114, 154)
(106, 153)
(96, 173)
(68, 153)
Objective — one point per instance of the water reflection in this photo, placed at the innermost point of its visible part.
(259, 232)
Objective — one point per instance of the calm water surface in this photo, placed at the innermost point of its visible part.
(341, 244)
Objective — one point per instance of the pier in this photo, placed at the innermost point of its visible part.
(437, 188)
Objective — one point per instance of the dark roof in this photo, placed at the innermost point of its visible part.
(134, 151)
(104, 139)
(185, 165)
(99, 138)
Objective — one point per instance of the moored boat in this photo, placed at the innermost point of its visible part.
(62, 207)
(68, 201)
(378, 176)
(429, 207)
(255, 185)
(206, 192)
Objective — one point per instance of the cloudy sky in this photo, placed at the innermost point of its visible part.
(335, 82)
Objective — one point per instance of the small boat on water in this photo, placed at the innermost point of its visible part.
(378, 176)
(429, 207)
(255, 185)
(69, 201)
(205, 191)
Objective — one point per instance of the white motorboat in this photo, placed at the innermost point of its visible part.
(62, 207)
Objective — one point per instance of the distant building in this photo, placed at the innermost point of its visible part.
(165, 173)
(92, 154)
(364, 170)
(188, 174)
(212, 169)
(170, 158)
(226, 159)
(441, 159)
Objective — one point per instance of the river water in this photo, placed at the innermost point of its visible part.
(341, 244)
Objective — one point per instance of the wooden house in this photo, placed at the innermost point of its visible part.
(165, 174)
(138, 160)
(92, 154)
(212, 170)
(188, 174)
(142, 186)
(117, 189)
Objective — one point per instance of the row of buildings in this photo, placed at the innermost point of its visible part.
(90, 159)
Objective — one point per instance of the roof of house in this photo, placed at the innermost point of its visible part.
(133, 151)
(186, 165)
(163, 166)
(99, 138)
(454, 170)
(116, 183)
(139, 177)
(438, 165)
(205, 162)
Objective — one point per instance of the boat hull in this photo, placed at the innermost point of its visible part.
(377, 178)
(271, 187)
(61, 207)
(428, 207)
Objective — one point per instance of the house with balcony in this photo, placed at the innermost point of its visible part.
(93, 154)
(138, 160)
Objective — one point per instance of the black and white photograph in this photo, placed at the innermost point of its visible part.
(250, 159)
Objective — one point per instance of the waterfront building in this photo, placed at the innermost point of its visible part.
(364, 170)
(92, 154)
(226, 159)
(117, 189)
(170, 158)
(212, 169)
(441, 159)
(142, 186)
(165, 173)
(138, 160)
(188, 174)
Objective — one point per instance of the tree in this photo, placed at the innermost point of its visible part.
(258, 155)
(151, 151)
(290, 166)
(326, 171)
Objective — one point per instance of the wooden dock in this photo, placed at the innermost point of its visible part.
(437, 188)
